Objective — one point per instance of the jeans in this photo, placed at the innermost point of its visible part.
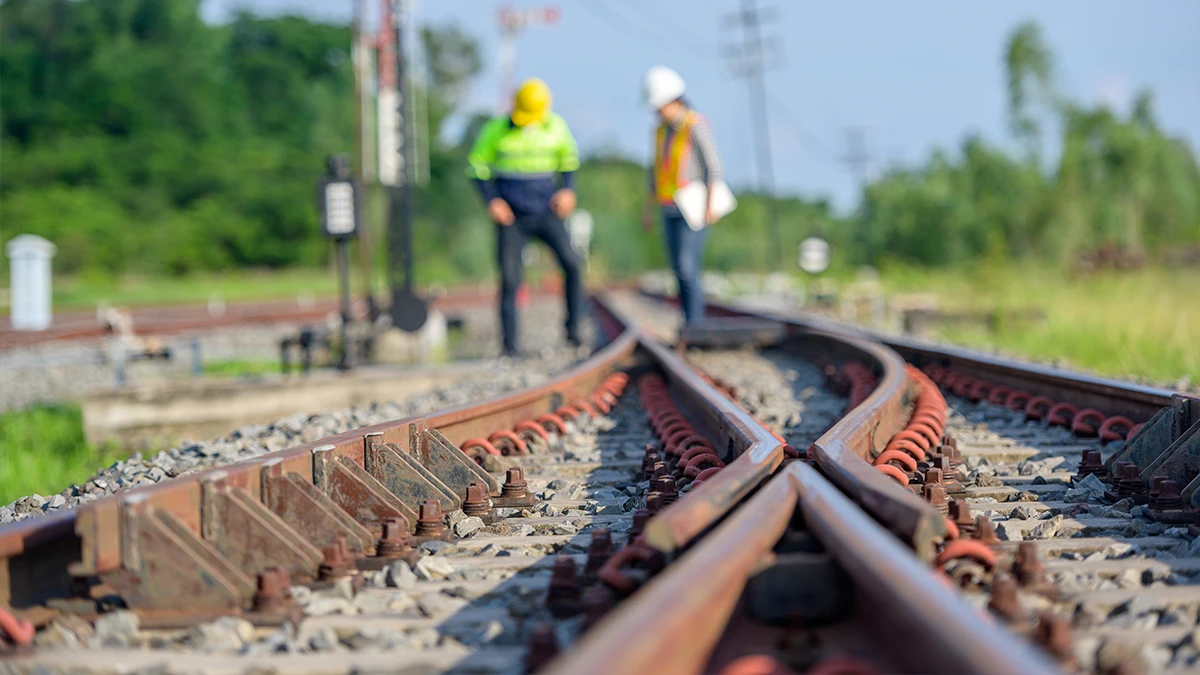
(510, 243)
(685, 251)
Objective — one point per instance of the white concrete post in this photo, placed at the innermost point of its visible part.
(29, 262)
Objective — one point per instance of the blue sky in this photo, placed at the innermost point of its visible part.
(918, 74)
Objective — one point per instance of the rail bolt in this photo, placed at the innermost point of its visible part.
(1004, 602)
(477, 502)
(1169, 497)
(514, 486)
(273, 593)
(985, 531)
(960, 513)
(935, 494)
(1027, 565)
(394, 542)
(562, 597)
(599, 551)
(640, 517)
(431, 522)
(543, 646)
(336, 563)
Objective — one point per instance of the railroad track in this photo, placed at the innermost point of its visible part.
(662, 528)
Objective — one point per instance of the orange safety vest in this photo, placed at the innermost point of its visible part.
(668, 176)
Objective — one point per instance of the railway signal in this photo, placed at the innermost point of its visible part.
(338, 203)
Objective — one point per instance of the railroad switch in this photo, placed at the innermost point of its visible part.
(809, 588)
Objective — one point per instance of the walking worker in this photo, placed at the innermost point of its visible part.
(524, 164)
(684, 154)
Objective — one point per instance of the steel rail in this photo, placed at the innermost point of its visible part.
(673, 623)
(39, 557)
(1116, 397)
(753, 453)
(929, 628)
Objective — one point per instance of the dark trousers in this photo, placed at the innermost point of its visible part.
(685, 252)
(510, 243)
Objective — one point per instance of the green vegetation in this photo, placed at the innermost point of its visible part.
(148, 145)
(84, 292)
(1131, 324)
(58, 455)
(241, 368)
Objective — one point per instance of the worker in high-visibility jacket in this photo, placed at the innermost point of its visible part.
(684, 151)
(524, 164)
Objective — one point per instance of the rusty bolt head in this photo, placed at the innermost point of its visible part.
(1129, 483)
(394, 541)
(431, 522)
(654, 502)
(562, 597)
(477, 502)
(640, 517)
(666, 486)
(1169, 496)
(935, 494)
(985, 531)
(273, 591)
(648, 463)
(660, 470)
(543, 646)
(599, 551)
(1156, 489)
(1027, 564)
(933, 477)
(1004, 602)
(960, 513)
(514, 486)
(1053, 633)
(335, 564)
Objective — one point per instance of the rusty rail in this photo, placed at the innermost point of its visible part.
(673, 624)
(42, 558)
(754, 451)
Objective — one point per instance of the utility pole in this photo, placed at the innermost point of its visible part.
(408, 311)
(512, 22)
(858, 158)
(363, 134)
(749, 60)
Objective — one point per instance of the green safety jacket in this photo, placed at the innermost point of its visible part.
(521, 164)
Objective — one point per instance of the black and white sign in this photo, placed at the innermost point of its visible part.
(339, 212)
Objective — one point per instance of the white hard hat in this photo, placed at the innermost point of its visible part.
(661, 86)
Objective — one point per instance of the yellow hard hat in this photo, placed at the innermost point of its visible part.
(532, 103)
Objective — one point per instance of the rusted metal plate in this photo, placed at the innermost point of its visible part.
(730, 332)
(448, 463)
(309, 511)
(250, 535)
(166, 566)
(356, 492)
(941, 633)
(406, 478)
(670, 625)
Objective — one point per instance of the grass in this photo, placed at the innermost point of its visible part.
(1143, 324)
(241, 368)
(42, 450)
(241, 285)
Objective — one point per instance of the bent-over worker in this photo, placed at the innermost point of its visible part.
(524, 165)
